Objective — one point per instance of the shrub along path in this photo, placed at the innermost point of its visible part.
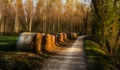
(72, 58)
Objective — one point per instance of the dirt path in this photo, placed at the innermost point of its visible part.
(70, 59)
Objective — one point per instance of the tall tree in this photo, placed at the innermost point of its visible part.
(29, 13)
(108, 22)
(19, 14)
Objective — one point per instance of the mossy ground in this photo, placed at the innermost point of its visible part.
(97, 59)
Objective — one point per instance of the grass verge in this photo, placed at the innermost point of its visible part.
(8, 43)
(97, 59)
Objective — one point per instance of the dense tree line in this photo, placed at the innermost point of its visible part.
(47, 16)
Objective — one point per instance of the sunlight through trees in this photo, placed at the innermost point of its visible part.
(49, 16)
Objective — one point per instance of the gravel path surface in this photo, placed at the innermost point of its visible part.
(73, 58)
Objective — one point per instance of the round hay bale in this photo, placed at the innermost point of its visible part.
(65, 36)
(26, 41)
(60, 37)
(37, 47)
(53, 40)
(50, 43)
(48, 39)
(74, 35)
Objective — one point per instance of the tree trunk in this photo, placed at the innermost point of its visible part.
(16, 27)
(30, 24)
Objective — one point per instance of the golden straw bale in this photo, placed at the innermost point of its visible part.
(74, 35)
(60, 37)
(65, 36)
(53, 40)
(37, 47)
(50, 43)
(48, 39)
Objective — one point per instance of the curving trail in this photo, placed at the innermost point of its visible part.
(73, 58)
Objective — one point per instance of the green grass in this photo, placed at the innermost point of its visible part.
(8, 43)
(11, 59)
(97, 59)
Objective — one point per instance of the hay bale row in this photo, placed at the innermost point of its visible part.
(37, 41)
